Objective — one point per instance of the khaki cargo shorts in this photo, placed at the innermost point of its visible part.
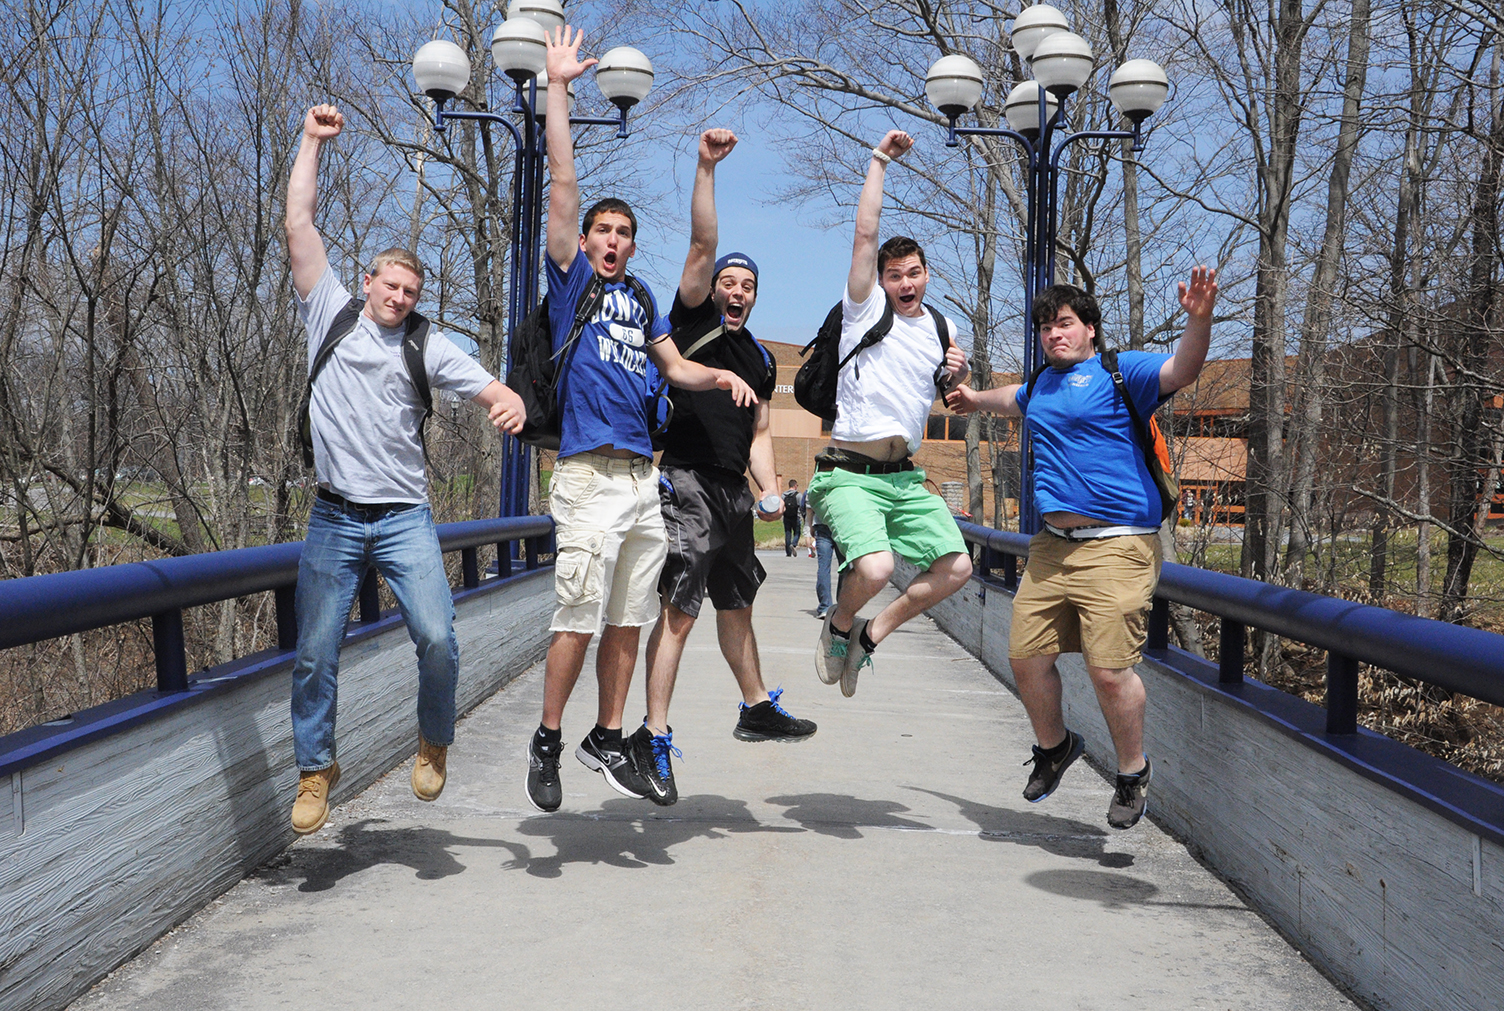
(609, 542)
(1090, 597)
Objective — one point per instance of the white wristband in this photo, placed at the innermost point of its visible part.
(885, 159)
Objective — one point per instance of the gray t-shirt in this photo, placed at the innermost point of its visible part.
(365, 410)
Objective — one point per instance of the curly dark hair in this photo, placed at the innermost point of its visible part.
(1048, 303)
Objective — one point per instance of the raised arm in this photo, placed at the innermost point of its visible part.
(564, 65)
(1000, 400)
(869, 209)
(305, 247)
(699, 264)
(1198, 300)
(688, 375)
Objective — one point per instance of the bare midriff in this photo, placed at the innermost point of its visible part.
(1068, 521)
(889, 450)
(614, 453)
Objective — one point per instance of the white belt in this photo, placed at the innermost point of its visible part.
(1092, 533)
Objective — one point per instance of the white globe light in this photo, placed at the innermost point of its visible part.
(1022, 108)
(1033, 25)
(519, 48)
(441, 69)
(954, 84)
(1062, 62)
(540, 108)
(625, 76)
(1138, 88)
(548, 13)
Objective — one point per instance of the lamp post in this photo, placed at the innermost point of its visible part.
(1061, 61)
(519, 50)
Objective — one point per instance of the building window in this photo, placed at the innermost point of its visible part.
(957, 429)
(935, 428)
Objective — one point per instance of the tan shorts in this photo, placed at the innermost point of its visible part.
(1089, 597)
(609, 542)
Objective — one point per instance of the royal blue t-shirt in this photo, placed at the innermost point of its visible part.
(603, 394)
(1087, 459)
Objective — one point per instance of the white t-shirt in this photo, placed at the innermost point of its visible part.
(897, 383)
(365, 410)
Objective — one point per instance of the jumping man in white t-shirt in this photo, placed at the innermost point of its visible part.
(866, 489)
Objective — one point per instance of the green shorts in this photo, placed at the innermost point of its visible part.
(884, 512)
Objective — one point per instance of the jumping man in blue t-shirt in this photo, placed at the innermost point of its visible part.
(604, 494)
(1092, 570)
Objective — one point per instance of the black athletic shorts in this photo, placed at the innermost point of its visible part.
(708, 517)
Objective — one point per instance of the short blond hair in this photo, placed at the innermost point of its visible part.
(401, 258)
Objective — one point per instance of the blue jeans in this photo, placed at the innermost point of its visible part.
(791, 539)
(825, 548)
(342, 545)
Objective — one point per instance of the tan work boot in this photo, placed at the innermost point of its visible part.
(428, 770)
(311, 809)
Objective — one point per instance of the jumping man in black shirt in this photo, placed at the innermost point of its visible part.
(707, 506)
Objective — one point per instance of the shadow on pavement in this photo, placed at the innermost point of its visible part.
(840, 815)
(632, 833)
(365, 844)
(1063, 837)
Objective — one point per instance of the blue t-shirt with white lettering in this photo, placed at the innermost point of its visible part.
(603, 395)
(1087, 459)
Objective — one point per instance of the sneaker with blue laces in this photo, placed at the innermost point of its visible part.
(830, 653)
(649, 753)
(769, 721)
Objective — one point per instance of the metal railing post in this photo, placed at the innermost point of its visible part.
(287, 616)
(1159, 624)
(1341, 694)
(503, 559)
(531, 554)
(1010, 572)
(370, 601)
(470, 567)
(172, 657)
(1230, 653)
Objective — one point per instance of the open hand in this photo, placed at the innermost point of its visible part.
(716, 144)
(563, 61)
(740, 391)
(962, 400)
(1201, 296)
(896, 144)
(323, 122)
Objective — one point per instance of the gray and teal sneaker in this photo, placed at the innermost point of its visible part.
(830, 654)
(856, 658)
(1130, 799)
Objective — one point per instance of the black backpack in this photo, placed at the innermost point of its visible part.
(535, 371)
(815, 382)
(414, 341)
(1151, 441)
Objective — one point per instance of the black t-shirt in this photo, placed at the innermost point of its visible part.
(708, 429)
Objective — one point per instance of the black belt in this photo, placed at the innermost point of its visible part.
(841, 459)
(362, 507)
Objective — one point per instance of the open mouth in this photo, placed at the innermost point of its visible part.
(907, 299)
(734, 311)
(609, 260)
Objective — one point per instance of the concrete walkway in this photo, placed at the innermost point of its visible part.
(889, 862)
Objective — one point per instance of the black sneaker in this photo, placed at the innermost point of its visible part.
(613, 764)
(768, 721)
(649, 753)
(1047, 773)
(543, 790)
(1130, 800)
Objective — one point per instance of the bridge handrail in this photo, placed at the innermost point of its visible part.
(1466, 660)
(37, 608)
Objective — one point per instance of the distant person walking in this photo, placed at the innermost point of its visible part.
(823, 548)
(371, 509)
(791, 520)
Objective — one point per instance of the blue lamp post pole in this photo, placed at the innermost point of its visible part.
(518, 49)
(1035, 111)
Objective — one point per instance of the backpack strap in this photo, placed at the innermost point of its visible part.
(589, 303)
(878, 332)
(712, 335)
(1110, 363)
(414, 343)
(1033, 380)
(942, 331)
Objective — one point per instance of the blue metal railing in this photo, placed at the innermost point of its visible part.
(1465, 660)
(37, 608)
